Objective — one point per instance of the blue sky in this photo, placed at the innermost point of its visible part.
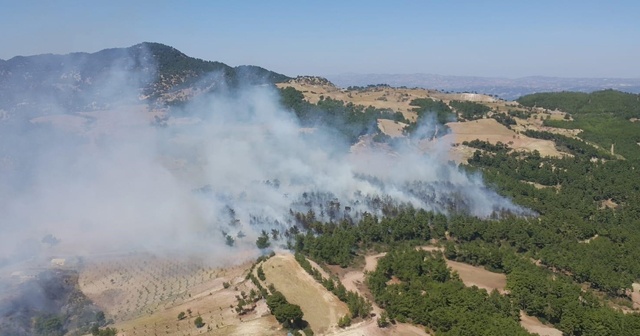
(478, 38)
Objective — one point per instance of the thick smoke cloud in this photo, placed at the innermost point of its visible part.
(228, 163)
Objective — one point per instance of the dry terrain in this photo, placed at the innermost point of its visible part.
(533, 325)
(398, 100)
(391, 128)
(354, 280)
(493, 132)
(395, 99)
(635, 295)
(470, 276)
(370, 328)
(321, 308)
(144, 295)
(478, 276)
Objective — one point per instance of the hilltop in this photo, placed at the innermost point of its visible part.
(468, 116)
(158, 74)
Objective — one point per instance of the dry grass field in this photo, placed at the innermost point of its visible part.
(391, 128)
(321, 308)
(398, 99)
(384, 98)
(479, 277)
(491, 131)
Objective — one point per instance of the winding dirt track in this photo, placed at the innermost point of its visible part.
(354, 281)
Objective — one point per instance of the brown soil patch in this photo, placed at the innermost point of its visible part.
(321, 308)
(587, 241)
(533, 325)
(431, 248)
(608, 204)
(370, 328)
(541, 186)
(371, 261)
(635, 295)
(461, 153)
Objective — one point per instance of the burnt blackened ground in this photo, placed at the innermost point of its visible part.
(48, 302)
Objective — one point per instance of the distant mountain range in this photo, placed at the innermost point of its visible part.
(156, 73)
(506, 88)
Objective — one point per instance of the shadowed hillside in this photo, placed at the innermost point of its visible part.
(76, 81)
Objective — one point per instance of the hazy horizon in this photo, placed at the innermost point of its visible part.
(571, 39)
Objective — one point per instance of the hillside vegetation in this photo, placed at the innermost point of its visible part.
(573, 265)
(606, 117)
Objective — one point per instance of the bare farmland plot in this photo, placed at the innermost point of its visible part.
(126, 287)
(209, 300)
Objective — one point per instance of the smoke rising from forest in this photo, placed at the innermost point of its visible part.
(231, 163)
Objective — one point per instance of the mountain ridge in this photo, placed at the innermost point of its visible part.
(157, 72)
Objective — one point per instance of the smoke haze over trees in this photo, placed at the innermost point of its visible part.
(105, 175)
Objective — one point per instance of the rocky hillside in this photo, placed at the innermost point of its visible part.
(83, 81)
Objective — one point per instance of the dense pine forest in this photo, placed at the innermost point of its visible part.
(572, 265)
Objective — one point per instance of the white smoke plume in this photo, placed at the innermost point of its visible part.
(230, 163)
